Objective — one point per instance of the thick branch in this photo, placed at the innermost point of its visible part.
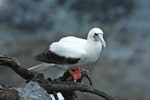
(13, 64)
(51, 86)
(72, 86)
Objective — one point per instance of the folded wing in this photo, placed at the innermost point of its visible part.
(62, 53)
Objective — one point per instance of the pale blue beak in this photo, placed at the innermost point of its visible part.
(101, 39)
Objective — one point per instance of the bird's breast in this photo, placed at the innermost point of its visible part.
(93, 52)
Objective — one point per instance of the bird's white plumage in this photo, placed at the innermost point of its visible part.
(68, 49)
(87, 50)
(72, 39)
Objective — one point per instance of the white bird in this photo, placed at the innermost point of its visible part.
(72, 51)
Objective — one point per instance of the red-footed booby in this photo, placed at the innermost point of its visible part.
(72, 51)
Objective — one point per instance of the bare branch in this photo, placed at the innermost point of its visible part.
(64, 84)
(13, 64)
(75, 86)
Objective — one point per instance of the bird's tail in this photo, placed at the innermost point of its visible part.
(40, 67)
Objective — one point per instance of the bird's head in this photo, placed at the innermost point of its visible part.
(96, 34)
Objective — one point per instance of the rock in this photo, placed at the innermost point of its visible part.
(32, 91)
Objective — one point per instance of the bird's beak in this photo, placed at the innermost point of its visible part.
(101, 39)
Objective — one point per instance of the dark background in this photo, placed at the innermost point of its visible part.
(28, 27)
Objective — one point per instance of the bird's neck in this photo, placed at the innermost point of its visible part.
(94, 44)
(94, 49)
(92, 41)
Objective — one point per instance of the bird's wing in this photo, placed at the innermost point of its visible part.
(69, 50)
(62, 53)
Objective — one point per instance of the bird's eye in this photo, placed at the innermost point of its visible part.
(95, 34)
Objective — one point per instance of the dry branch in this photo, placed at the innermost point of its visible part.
(62, 84)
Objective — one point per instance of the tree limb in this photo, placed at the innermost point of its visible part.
(75, 86)
(67, 88)
(14, 65)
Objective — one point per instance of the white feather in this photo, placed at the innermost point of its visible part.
(40, 66)
(72, 39)
(67, 49)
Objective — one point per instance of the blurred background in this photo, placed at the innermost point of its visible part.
(123, 69)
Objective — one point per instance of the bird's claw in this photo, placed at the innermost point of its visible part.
(79, 73)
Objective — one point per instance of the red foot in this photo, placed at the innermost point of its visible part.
(77, 73)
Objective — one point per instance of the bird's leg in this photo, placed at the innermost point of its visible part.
(78, 73)
(75, 73)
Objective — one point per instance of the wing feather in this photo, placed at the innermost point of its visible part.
(68, 50)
